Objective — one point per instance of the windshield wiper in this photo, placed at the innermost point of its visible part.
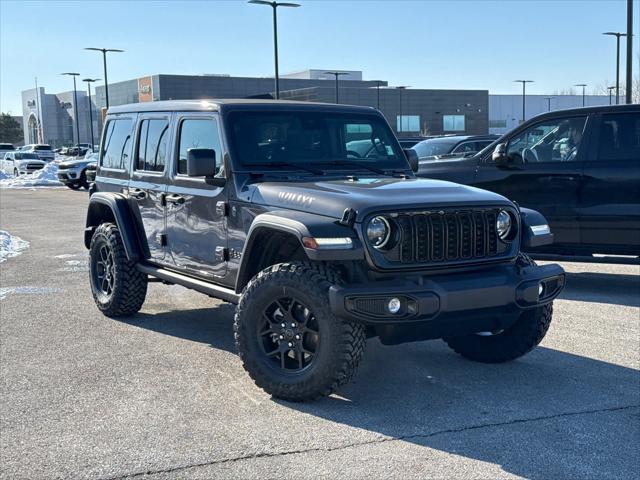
(286, 164)
(379, 171)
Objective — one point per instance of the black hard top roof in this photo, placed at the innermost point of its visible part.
(212, 105)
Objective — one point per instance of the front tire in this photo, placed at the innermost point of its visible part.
(290, 343)
(514, 342)
(118, 288)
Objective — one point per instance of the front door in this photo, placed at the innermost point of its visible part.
(196, 210)
(149, 180)
(544, 173)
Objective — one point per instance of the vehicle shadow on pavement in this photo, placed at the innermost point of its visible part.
(550, 414)
(617, 289)
(212, 325)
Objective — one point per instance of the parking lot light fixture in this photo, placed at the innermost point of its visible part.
(104, 63)
(274, 6)
(583, 85)
(75, 103)
(617, 35)
(89, 82)
(337, 75)
(524, 92)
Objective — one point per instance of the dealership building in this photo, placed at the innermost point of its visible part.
(410, 112)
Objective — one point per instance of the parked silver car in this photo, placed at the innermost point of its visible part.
(42, 150)
(73, 173)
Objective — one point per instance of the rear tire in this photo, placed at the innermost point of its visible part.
(517, 340)
(83, 181)
(118, 288)
(289, 341)
(73, 186)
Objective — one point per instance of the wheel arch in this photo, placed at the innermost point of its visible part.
(113, 207)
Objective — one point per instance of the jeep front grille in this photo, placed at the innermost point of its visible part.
(448, 236)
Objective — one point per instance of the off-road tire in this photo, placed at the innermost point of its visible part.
(130, 285)
(517, 340)
(73, 186)
(342, 342)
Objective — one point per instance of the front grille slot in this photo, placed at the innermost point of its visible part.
(447, 236)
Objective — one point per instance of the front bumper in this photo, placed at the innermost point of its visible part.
(69, 175)
(489, 297)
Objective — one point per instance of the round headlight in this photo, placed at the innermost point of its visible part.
(503, 224)
(378, 232)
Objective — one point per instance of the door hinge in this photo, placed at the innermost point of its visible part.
(222, 254)
(162, 239)
(222, 209)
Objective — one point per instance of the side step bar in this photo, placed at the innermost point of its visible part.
(201, 286)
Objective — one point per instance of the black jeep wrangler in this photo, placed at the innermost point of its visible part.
(270, 206)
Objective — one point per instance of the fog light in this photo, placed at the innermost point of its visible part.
(540, 289)
(394, 305)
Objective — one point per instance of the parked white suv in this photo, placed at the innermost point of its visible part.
(20, 163)
(43, 151)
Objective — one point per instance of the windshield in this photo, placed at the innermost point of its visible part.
(311, 139)
(24, 156)
(431, 148)
(42, 147)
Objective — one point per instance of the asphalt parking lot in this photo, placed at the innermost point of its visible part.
(164, 394)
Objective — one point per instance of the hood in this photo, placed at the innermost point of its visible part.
(367, 195)
(75, 163)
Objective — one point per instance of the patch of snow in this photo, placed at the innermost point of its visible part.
(5, 292)
(4, 175)
(45, 177)
(10, 245)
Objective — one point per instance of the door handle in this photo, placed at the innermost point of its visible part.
(138, 194)
(176, 199)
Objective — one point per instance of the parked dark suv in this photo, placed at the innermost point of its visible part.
(580, 168)
(260, 203)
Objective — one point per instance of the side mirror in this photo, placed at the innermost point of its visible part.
(499, 155)
(412, 158)
(201, 162)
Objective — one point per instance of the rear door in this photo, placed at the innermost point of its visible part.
(196, 210)
(610, 214)
(544, 173)
(149, 180)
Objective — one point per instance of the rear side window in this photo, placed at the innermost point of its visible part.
(619, 137)
(117, 144)
(198, 133)
(152, 146)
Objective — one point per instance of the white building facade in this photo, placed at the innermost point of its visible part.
(505, 111)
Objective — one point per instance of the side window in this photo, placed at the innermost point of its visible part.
(152, 145)
(198, 133)
(619, 137)
(116, 144)
(552, 141)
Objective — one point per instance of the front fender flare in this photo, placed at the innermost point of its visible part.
(300, 225)
(534, 234)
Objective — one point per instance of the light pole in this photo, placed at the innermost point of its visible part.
(89, 82)
(378, 92)
(583, 85)
(629, 92)
(400, 89)
(75, 103)
(617, 35)
(548, 99)
(337, 75)
(104, 63)
(275, 6)
(610, 90)
(524, 83)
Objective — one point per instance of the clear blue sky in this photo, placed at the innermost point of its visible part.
(425, 44)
